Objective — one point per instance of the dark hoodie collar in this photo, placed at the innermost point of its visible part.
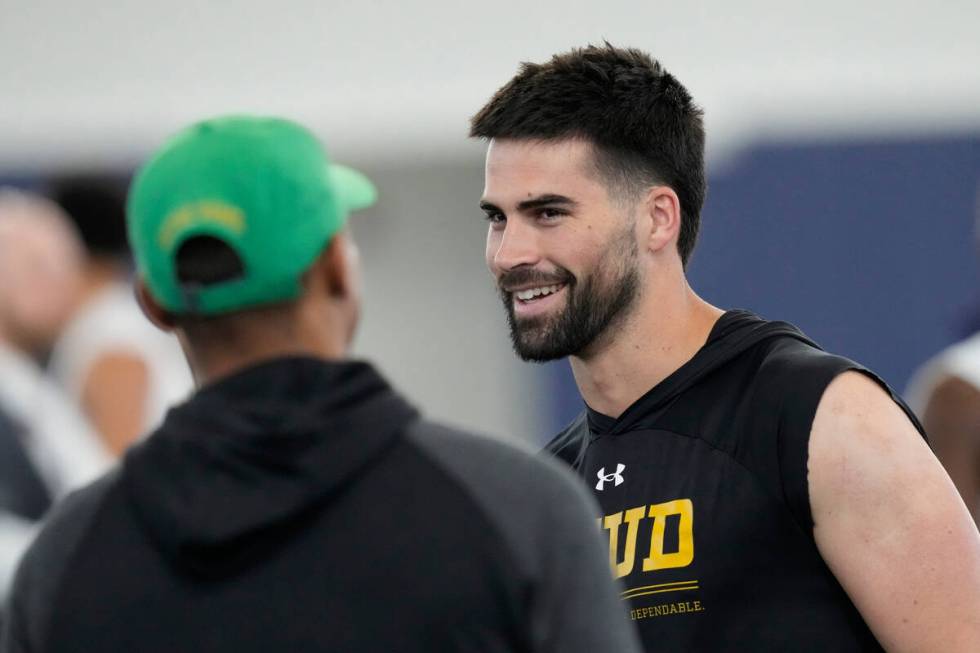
(733, 333)
(255, 451)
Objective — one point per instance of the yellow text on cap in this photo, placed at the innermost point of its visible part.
(213, 211)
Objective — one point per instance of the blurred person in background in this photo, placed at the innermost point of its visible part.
(759, 493)
(122, 372)
(46, 446)
(945, 392)
(296, 502)
(24, 499)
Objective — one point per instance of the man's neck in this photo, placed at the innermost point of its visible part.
(663, 332)
(208, 370)
(220, 350)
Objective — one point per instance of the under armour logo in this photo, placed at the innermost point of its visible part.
(616, 478)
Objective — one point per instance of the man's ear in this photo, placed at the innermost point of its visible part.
(662, 210)
(337, 266)
(151, 309)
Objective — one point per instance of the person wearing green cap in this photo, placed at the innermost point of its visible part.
(296, 502)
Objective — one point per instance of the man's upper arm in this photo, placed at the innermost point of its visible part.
(890, 523)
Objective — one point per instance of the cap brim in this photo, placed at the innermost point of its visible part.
(355, 190)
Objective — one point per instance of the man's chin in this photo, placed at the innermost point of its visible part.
(535, 347)
(533, 355)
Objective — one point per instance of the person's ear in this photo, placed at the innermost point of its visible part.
(152, 309)
(338, 266)
(662, 210)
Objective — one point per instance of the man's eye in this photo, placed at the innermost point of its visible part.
(494, 217)
(551, 214)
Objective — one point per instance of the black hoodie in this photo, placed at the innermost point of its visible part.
(703, 484)
(301, 505)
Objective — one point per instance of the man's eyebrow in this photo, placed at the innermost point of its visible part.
(549, 199)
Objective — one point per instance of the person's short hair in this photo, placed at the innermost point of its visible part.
(641, 121)
(97, 206)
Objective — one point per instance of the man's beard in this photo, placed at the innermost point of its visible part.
(593, 306)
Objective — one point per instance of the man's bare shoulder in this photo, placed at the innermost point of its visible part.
(889, 522)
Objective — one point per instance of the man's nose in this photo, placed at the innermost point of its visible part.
(518, 245)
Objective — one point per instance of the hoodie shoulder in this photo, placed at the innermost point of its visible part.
(496, 473)
(42, 569)
(546, 518)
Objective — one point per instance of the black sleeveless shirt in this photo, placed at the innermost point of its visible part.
(703, 487)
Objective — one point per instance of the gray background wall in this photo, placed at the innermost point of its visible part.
(431, 316)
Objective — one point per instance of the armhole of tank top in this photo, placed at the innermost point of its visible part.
(795, 431)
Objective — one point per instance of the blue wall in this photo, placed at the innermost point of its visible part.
(865, 245)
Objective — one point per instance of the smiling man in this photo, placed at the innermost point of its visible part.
(758, 493)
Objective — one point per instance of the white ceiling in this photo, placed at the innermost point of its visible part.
(104, 81)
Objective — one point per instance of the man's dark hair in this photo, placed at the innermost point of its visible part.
(97, 206)
(642, 122)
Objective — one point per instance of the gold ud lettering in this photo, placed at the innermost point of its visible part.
(656, 558)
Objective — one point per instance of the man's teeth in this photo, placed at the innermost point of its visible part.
(531, 293)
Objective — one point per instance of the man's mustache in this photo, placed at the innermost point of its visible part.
(524, 277)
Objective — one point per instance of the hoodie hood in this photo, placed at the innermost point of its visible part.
(253, 453)
(735, 332)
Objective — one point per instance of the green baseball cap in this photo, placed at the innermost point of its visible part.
(263, 186)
